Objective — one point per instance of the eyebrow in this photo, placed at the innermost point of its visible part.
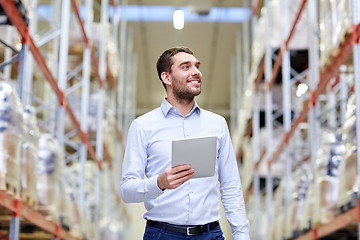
(187, 62)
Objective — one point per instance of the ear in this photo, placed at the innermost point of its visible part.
(165, 77)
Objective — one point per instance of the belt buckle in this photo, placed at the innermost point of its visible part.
(188, 231)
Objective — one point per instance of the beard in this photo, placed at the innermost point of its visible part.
(184, 92)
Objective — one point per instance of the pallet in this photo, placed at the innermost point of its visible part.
(8, 186)
(349, 205)
(29, 201)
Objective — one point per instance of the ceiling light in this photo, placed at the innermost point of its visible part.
(301, 89)
(178, 19)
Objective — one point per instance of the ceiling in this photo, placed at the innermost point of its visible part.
(212, 42)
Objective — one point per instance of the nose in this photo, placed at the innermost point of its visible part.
(196, 71)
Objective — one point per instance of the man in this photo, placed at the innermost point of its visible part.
(179, 206)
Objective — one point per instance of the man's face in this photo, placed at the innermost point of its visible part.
(185, 76)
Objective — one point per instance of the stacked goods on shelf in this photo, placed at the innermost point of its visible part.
(111, 135)
(83, 216)
(247, 167)
(11, 134)
(327, 181)
(262, 232)
(307, 215)
(277, 23)
(75, 104)
(347, 170)
(108, 202)
(50, 170)
(335, 22)
(277, 167)
(71, 176)
(298, 198)
(250, 213)
(258, 45)
(29, 158)
(277, 226)
(299, 40)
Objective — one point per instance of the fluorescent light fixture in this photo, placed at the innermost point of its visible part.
(178, 19)
(135, 13)
(301, 89)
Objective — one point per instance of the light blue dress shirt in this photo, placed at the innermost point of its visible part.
(148, 153)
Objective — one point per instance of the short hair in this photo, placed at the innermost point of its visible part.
(165, 62)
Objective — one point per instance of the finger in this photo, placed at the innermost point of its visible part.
(179, 182)
(180, 168)
(183, 173)
(181, 179)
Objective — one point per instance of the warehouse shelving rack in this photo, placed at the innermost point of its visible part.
(320, 80)
(102, 71)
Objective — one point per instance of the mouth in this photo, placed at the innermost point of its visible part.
(196, 81)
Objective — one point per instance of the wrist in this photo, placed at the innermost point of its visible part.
(162, 187)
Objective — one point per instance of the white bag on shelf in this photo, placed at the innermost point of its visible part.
(29, 158)
(327, 181)
(11, 134)
(50, 168)
(347, 169)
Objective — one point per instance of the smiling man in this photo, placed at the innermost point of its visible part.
(179, 206)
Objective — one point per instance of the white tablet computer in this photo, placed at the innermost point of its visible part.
(199, 152)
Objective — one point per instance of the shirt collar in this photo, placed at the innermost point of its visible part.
(166, 107)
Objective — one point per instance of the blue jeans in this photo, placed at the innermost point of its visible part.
(152, 233)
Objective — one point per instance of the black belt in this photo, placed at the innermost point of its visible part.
(188, 230)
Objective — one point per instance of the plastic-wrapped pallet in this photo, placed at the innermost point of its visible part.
(307, 215)
(248, 164)
(250, 213)
(327, 181)
(50, 169)
(298, 199)
(11, 134)
(75, 104)
(110, 141)
(84, 217)
(275, 38)
(29, 157)
(71, 176)
(347, 169)
(335, 21)
(278, 224)
(260, 233)
(107, 201)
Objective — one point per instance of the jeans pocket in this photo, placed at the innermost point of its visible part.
(217, 233)
(151, 233)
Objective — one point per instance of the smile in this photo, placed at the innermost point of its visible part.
(195, 80)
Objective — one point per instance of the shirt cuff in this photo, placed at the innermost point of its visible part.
(153, 187)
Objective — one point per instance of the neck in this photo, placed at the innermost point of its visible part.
(183, 105)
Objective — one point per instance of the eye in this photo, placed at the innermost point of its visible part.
(186, 67)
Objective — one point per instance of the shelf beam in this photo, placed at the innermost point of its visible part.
(339, 222)
(26, 212)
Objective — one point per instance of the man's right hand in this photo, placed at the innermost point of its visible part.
(173, 177)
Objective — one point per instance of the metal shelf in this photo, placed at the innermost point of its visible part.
(102, 72)
(328, 72)
(15, 18)
(338, 223)
(22, 210)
